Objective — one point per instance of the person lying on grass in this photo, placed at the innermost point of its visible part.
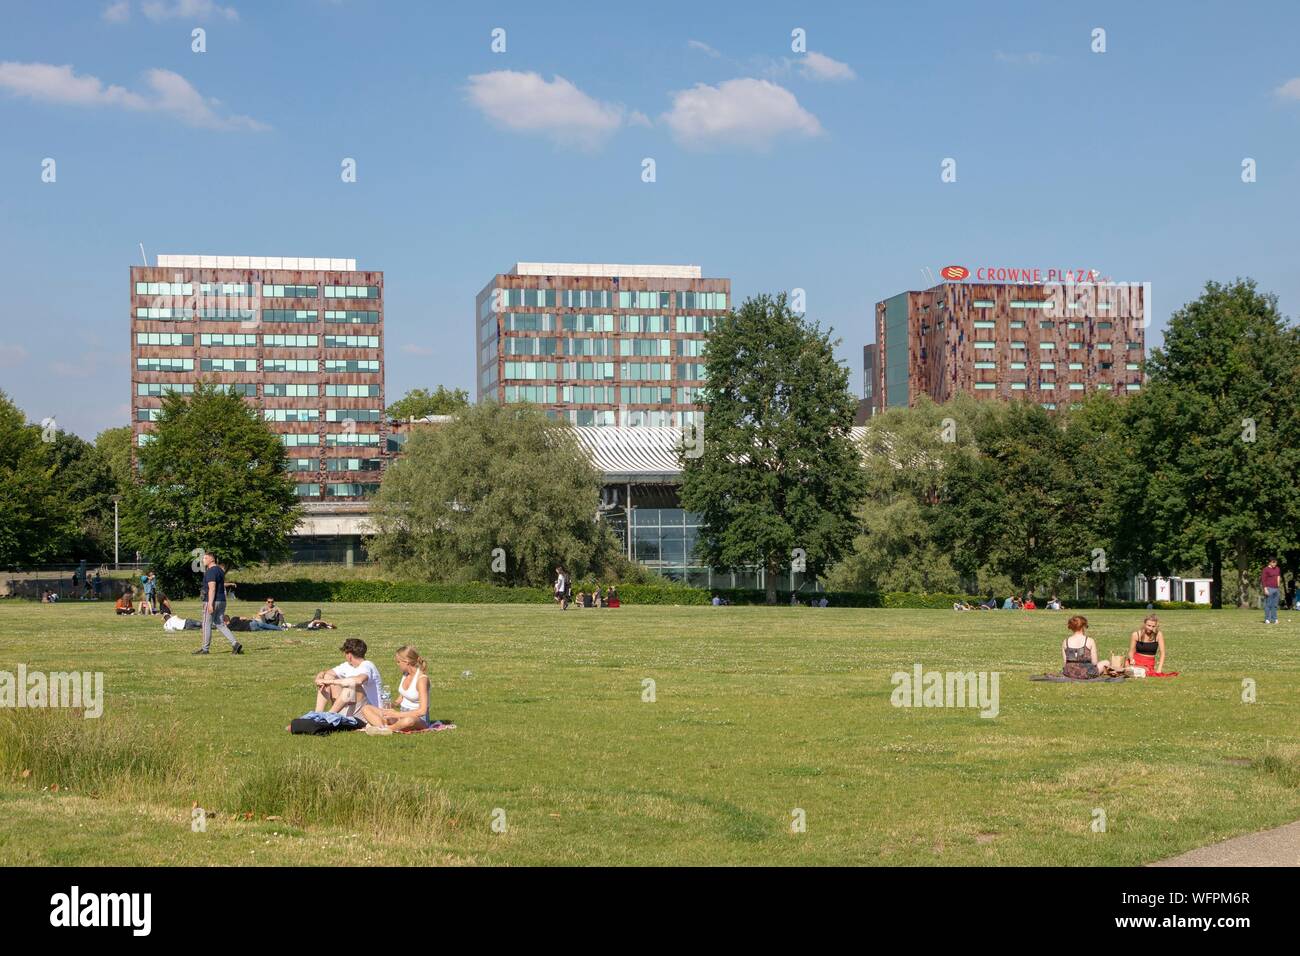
(413, 691)
(336, 689)
(174, 622)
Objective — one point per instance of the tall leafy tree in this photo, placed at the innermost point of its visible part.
(1224, 396)
(496, 477)
(420, 402)
(779, 470)
(1016, 507)
(36, 522)
(83, 478)
(212, 478)
(907, 456)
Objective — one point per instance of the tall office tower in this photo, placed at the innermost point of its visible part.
(1043, 342)
(598, 344)
(301, 339)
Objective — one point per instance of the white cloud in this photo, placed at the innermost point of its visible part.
(703, 48)
(527, 103)
(818, 66)
(167, 92)
(744, 112)
(157, 10)
(1290, 90)
(118, 12)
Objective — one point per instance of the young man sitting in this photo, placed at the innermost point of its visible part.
(270, 614)
(337, 688)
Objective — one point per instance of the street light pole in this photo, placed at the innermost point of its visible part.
(116, 499)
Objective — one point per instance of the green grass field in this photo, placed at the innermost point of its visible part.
(758, 711)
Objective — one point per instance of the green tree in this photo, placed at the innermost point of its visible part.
(495, 477)
(83, 478)
(114, 446)
(1223, 395)
(36, 522)
(212, 478)
(907, 455)
(1017, 507)
(419, 403)
(779, 470)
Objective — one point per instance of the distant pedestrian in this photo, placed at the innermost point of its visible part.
(99, 586)
(562, 586)
(1270, 580)
(214, 605)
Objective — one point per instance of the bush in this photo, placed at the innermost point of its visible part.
(364, 591)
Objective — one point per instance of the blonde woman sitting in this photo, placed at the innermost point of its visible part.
(413, 691)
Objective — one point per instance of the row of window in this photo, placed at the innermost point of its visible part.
(604, 322)
(1039, 304)
(334, 464)
(278, 291)
(187, 288)
(348, 438)
(174, 364)
(501, 299)
(337, 489)
(601, 394)
(1043, 324)
(1050, 386)
(626, 347)
(986, 345)
(270, 389)
(587, 371)
(249, 340)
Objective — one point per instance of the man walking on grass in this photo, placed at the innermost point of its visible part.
(1270, 579)
(214, 605)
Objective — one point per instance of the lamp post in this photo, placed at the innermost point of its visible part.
(115, 499)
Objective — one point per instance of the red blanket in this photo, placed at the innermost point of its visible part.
(1149, 662)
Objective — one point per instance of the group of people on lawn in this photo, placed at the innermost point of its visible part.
(1012, 603)
(1146, 650)
(355, 689)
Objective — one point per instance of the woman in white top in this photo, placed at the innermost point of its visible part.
(413, 694)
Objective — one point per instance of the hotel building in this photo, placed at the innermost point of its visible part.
(1048, 343)
(301, 339)
(598, 344)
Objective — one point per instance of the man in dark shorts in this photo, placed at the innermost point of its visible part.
(214, 605)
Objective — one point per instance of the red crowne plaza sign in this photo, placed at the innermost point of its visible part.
(1031, 274)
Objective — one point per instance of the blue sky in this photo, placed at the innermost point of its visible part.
(779, 169)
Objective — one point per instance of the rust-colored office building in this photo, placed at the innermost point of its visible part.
(301, 339)
(598, 344)
(1043, 342)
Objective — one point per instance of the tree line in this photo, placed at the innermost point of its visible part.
(1197, 472)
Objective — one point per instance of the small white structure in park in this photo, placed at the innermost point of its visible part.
(1192, 590)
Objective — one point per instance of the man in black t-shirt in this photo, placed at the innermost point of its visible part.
(214, 605)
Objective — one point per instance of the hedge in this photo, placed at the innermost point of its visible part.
(414, 592)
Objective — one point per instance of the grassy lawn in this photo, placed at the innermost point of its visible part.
(759, 711)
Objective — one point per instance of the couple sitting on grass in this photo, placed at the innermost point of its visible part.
(1079, 652)
(336, 690)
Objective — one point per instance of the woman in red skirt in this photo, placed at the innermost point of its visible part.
(1147, 648)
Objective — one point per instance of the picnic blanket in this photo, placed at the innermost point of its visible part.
(1149, 662)
(433, 727)
(1062, 679)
